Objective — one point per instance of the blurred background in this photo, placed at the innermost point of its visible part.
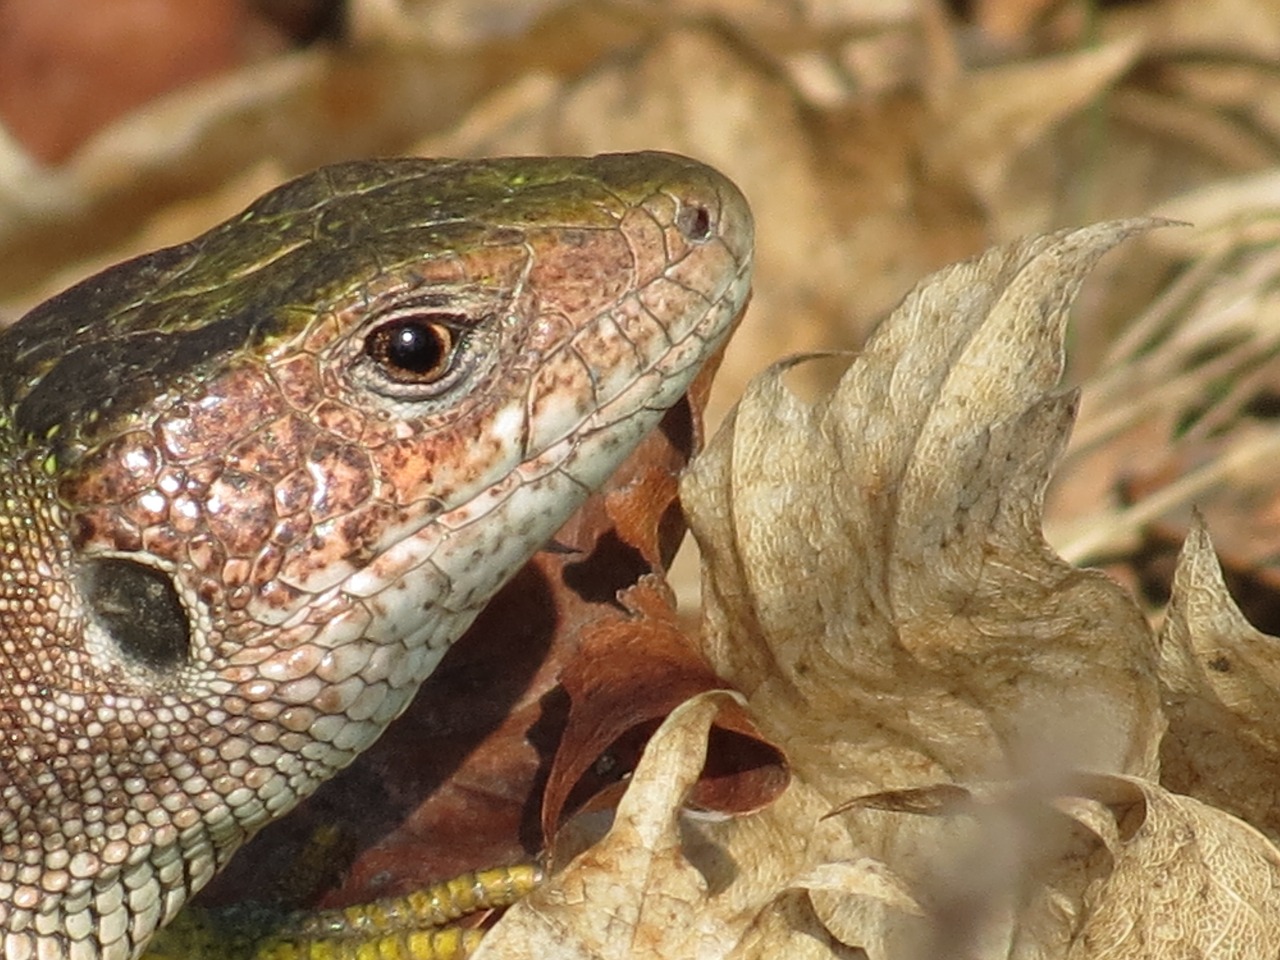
(877, 141)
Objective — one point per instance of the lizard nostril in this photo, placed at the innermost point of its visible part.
(694, 221)
(139, 609)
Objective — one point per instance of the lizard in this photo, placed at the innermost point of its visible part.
(254, 485)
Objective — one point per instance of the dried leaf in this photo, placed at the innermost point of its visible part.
(876, 579)
(789, 926)
(877, 584)
(1140, 872)
(934, 799)
(1220, 678)
(1187, 881)
(627, 676)
(633, 894)
(864, 877)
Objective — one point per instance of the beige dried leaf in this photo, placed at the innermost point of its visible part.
(875, 576)
(862, 877)
(790, 925)
(1186, 880)
(877, 584)
(444, 23)
(1134, 870)
(1220, 678)
(633, 894)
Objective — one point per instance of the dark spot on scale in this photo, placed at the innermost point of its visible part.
(1220, 664)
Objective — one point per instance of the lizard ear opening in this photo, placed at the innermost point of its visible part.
(139, 608)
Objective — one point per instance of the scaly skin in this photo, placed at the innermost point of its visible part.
(252, 487)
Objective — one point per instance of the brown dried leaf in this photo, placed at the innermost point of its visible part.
(633, 894)
(1220, 678)
(629, 674)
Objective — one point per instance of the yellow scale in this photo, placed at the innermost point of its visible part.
(418, 926)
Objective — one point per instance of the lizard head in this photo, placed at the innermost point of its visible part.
(256, 484)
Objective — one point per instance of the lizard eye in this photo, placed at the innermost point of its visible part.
(417, 354)
(415, 349)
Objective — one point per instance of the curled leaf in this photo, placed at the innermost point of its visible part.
(877, 583)
(876, 579)
(1187, 880)
(629, 674)
(1220, 678)
(634, 894)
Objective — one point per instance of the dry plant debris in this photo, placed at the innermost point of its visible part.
(992, 753)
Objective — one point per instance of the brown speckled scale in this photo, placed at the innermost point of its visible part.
(235, 536)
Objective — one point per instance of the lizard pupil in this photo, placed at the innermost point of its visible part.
(412, 350)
